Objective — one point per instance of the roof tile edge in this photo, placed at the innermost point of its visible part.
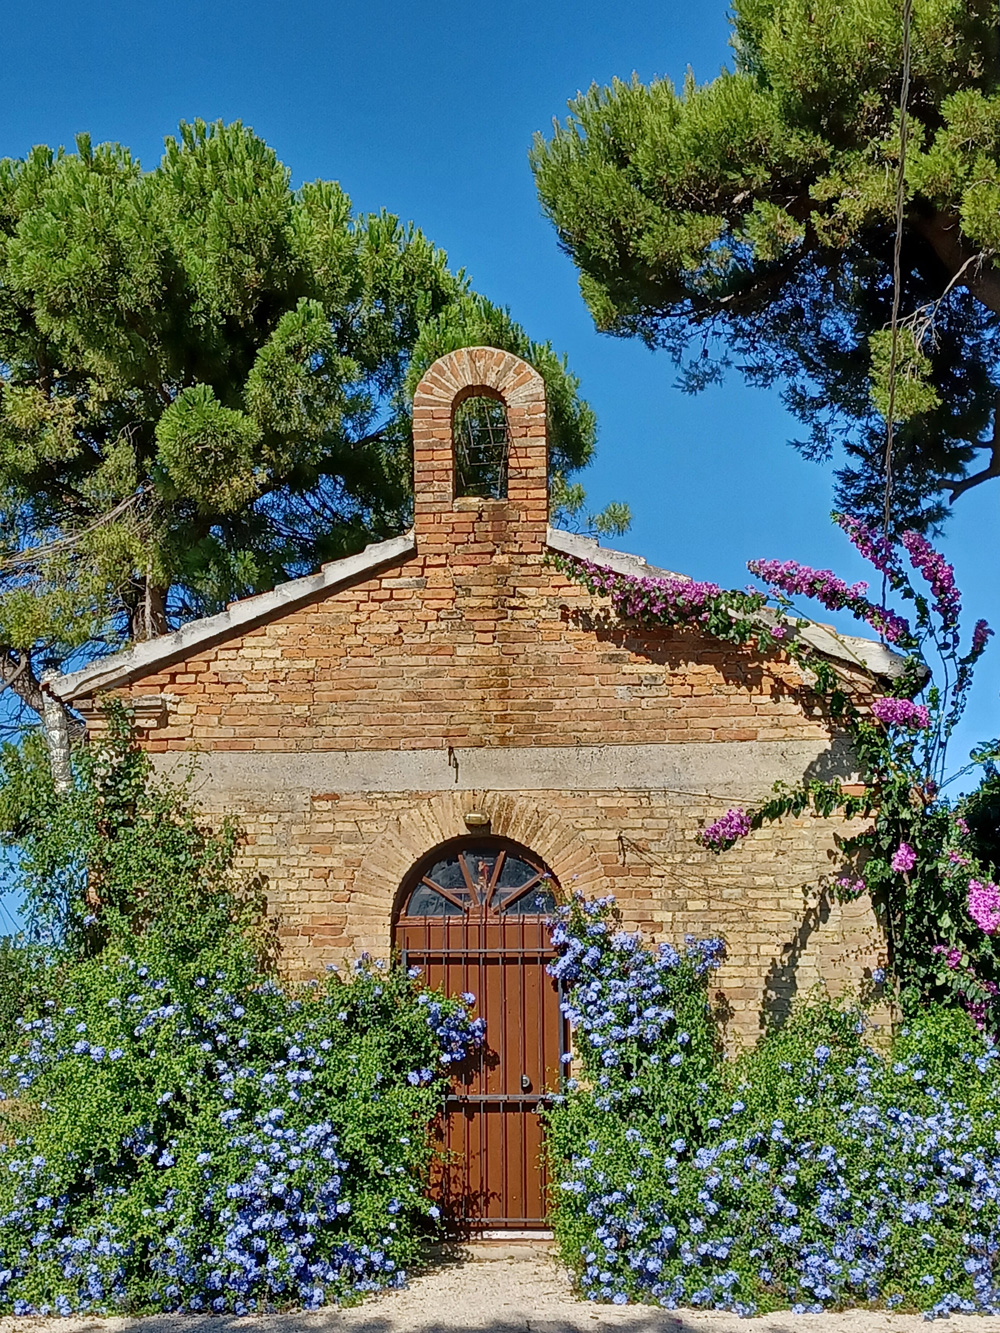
(621, 562)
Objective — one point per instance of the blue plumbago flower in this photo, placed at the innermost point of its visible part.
(825, 1176)
(215, 1178)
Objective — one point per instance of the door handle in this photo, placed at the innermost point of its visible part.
(525, 1083)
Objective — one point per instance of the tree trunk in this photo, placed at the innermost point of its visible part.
(56, 725)
(18, 676)
(148, 613)
(964, 263)
(61, 729)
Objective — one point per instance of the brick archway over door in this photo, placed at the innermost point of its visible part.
(440, 819)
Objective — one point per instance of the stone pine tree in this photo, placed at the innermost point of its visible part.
(203, 385)
(750, 221)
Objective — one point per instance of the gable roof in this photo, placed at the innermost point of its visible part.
(122, 667)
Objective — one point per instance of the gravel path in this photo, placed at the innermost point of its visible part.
(501, 1289)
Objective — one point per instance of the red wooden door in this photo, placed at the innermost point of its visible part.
(474, 921)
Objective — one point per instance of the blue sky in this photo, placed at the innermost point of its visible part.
(428, 111)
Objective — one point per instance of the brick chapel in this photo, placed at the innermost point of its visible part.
(429, 742)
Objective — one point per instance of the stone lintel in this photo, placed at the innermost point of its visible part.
(731, 770)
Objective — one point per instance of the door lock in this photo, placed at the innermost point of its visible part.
(525, 1083)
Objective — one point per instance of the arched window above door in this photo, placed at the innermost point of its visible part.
(481, 877)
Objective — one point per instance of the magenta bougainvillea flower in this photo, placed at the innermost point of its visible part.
(854, 887)
(903, 858)
(878, 550)
(901, 713)
(793, 579)
(939, 575)
(672, 599)
(981, 636)
(732, 826)
(984, 906)
(952, 955)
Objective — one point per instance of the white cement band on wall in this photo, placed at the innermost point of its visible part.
(738, 770)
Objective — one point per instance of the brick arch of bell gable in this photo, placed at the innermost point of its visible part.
(440, 819)
(468, 373)
(473, 371)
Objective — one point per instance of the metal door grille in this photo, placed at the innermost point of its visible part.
(482, 448)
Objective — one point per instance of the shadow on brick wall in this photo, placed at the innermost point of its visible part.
(781, 984)
(677, 648)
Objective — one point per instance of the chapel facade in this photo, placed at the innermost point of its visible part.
(429, 743)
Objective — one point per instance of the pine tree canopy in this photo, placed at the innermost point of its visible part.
(751, 221)
(205, 382)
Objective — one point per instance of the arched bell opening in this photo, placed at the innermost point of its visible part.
(473, 915)
(481, 443)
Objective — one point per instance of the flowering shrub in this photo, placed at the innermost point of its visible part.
(919, 864)
(643, 1034)
(200, 1139)
(916, 858)
(813, 1172)
(645, 1050)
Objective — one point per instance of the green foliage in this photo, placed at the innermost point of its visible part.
(828, 1173)
(204, 380)
(568, 504)
(913, 393)
(22, 970)
(209, 451)
(981, 811)
(123, 849)
(749, 222)
(191, 1136)
(182, 1131)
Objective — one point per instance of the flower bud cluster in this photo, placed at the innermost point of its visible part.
(938, 574)
(904, 858)
(893, 712)
(984, 905)
(726, 830)
(793, 579)
(675, 600)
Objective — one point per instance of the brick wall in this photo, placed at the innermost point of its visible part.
(471, 650)
(335, 861)
(477, 644)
